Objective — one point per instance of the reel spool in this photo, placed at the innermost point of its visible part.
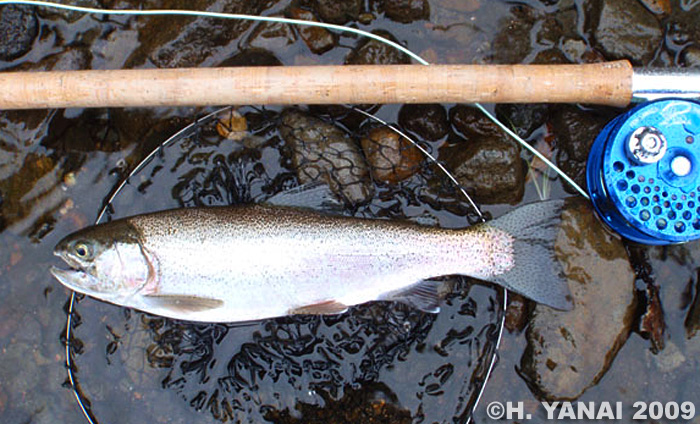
(643, 173)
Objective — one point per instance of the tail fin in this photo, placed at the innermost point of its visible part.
(537, 273)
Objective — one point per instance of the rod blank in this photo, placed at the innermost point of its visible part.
(607, 83)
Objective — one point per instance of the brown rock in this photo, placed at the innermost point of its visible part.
(576, 131)
(252, 57)
(652, 323)
(273, 36)
(577, 51)
(339, 12)
(517, 313)
(658, 7)
(373, 52)
(472, 123)
(626, 30)
(426, 121)
(18, 30)
(489, 168)
(523, 118)
(182, 42)
(318, 40)
(232, 126)
(321, 151)
(366, 405)
(406, 11)
(50, 13)
(692, 320)
(513, 43)
(391, 157)
(691, 57)
(569, 351)
(3, 399)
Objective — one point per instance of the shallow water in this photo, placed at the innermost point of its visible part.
(57, 168)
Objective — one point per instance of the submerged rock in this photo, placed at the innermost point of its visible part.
(50, 13)
(517, 313)
(569, 351)
(192, 42)
(652, 323)
(18, 29)
(426, 121)
(513, 43)
(576, 131)
(691, 57)
(525, 118)
(252, 57)
(318, 40)
(406, 11)
(669, 360)
(339, 12)
(577, 51)
(657, 7)
(488, 165)
(29, 177)
(373, 52)
(472, 123)
(232, 126)
(373, 404)
(626, 30)
(273, 36)
(391, 157)
(490, 169)
(692, 320)
(323, 152)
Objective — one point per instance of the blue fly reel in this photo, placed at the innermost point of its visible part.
(643, 173)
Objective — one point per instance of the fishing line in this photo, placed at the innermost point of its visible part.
(223, 15)
(218, 15)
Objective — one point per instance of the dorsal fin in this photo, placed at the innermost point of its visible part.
(316, 196)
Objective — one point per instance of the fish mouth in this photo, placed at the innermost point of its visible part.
(68, 259)
(74, 279)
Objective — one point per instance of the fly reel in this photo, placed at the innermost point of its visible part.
(643, 173)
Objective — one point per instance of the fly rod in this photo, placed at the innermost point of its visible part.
(608, 83)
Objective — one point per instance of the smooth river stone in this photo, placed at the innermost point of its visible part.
(569, 351)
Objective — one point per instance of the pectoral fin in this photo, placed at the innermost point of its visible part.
(182, 304)
(423, 296)
(330, 307)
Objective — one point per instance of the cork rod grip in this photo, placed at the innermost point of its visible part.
(607, 83)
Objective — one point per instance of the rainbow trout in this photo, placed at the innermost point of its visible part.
(226, 264)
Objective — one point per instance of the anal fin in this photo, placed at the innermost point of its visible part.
(423, 296)
(182, 303)
(329, 307)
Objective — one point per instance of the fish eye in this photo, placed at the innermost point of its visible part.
(82, 250)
